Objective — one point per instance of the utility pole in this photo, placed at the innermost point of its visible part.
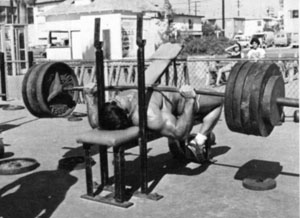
(196, 8)
(238, 7)
(12, 11)
(189, 6)
(223, 16)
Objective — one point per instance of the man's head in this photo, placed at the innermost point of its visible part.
(255, 42)
(113, 117)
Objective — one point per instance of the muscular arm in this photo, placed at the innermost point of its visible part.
(160, 118)
(92, 109)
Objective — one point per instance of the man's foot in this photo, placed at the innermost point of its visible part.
(196, 152)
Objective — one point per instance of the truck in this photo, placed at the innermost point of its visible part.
(282, 39)
(243, 40)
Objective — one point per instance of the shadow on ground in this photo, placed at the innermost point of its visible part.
(4, 126)
(161, 165)
(35, 195)
(259, 168)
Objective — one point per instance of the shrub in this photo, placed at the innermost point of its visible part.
(206, 45)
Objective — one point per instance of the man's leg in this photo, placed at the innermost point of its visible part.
(222, 70)
(209, 108)
(210, 121)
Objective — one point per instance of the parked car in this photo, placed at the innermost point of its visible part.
(282, 39)
(266, 38)
(243, 40)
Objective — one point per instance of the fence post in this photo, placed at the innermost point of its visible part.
(30, 59)
(3, 77)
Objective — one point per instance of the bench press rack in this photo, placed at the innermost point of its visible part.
(120, 140)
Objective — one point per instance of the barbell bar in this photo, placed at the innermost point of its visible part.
(253, 99)
(154, 88)
(282, 101)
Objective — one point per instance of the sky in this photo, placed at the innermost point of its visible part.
(243, 8)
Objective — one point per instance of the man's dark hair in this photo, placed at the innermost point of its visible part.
(255, 40)
(112, 117)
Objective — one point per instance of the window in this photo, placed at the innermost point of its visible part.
(2, 14)
(259, 23)
(30, 16)
(9, 16)
(294, 13)
(59, 38)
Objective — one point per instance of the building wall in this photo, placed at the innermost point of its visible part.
(122, 29)
(232, 26)
(85, 25)
(39, 30)
(111, 22)
(182, 23)
(253, 26)
(291, 25)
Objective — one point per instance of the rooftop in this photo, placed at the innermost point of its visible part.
(87, 6)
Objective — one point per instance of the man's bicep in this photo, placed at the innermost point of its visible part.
(154, 119)
(162, 122)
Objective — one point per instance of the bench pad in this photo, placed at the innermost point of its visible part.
(110, 138)
(161, 60)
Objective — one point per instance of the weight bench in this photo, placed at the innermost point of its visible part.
(120, 140)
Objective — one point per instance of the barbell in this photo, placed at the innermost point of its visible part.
(253, 100)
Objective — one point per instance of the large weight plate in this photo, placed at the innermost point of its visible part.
(229, 91)
(31, 91)
(17, 166)
(271, 111)
(237, 97)
(245, 101)
(261, 128)
(259, 184)
(64, 103)
(24, 87)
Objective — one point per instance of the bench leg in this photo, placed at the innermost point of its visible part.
(144, 193)
(117, 197)
(103, 165)
(119, 169)
(88, 169)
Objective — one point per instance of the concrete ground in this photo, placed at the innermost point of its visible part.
(189, 189)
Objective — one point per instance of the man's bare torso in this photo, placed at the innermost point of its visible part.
(160, 104)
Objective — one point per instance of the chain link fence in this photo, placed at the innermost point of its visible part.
(200, 72)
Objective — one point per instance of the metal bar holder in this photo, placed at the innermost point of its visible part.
(3, 93)
(117, 195)
(142, 99)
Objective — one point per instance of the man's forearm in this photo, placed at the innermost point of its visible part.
(184, 122)
(92, 110)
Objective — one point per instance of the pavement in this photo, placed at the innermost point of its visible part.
(189, 189)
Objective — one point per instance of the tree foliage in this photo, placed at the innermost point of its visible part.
(206, 45)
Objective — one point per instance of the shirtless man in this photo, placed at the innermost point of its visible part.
(171, 114)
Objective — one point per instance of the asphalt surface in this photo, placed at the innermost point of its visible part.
(189, 189)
